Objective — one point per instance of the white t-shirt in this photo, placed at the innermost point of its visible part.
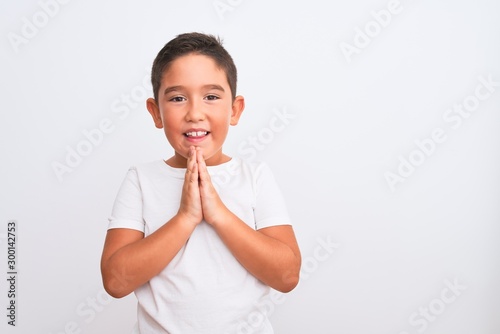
(204, 289)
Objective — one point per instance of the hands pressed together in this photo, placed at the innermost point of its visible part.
(199, 198)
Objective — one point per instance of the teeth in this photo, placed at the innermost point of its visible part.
(196, 133)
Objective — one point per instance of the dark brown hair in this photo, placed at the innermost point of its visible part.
(197, 43)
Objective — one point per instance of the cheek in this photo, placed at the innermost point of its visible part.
(221, 127)
(170, 122)
(171, 129)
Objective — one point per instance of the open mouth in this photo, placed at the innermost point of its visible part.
(196, 134)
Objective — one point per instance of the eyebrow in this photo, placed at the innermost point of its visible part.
(176, 88)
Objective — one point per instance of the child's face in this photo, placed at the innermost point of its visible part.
(195, 108)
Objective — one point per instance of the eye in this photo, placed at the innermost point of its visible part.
(177, 99)
(211, 97)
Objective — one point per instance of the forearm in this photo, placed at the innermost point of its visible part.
(136, 263)
(270, 260)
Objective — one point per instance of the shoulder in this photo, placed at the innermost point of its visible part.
(251, 165)
(248, 167)
(147, 177)
(149, 167)
(146, 170)
(256, 170)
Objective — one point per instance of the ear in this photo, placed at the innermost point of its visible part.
(237, 109)
(155, 112)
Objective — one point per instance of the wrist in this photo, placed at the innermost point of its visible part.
(187, 219)
(219, 220)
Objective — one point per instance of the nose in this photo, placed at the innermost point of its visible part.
(195, 112)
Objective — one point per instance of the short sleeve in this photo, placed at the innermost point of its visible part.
(270, 208)
(127, 208)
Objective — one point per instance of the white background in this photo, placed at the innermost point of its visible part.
(355, 118)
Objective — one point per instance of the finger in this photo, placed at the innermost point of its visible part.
(192, 158)
(195, 175)
(191, 154)
(202, 166)
(192, 166)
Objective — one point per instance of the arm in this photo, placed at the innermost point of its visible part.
(270, 254)
(129, 260)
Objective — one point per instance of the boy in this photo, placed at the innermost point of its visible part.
(199, 256)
